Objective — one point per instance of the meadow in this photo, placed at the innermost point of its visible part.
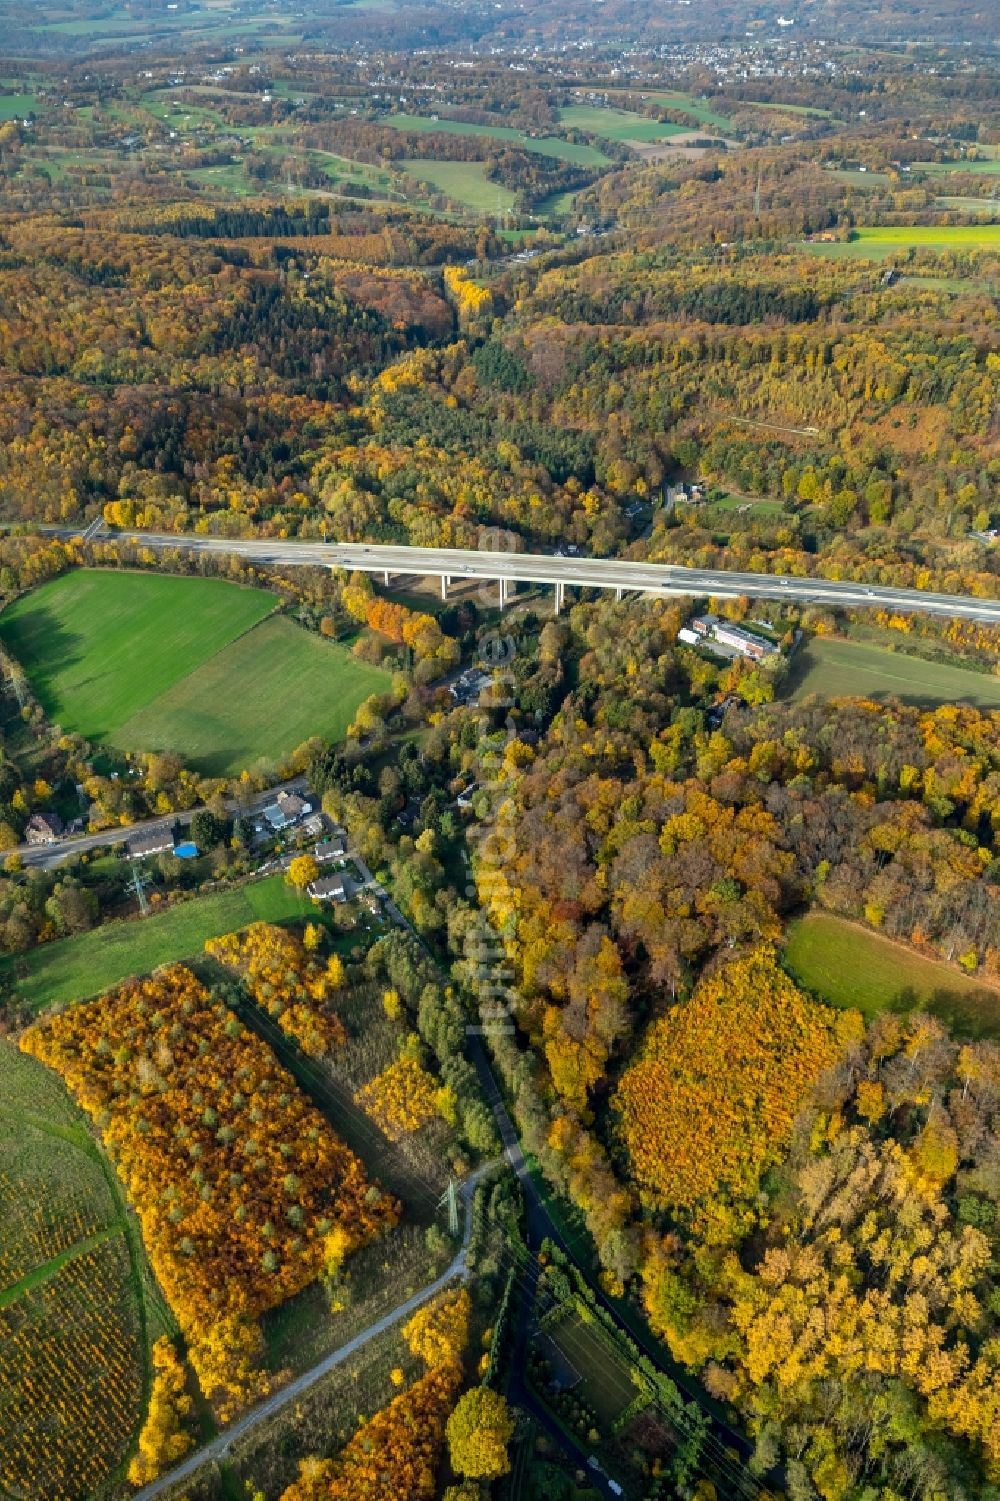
(848, 965)
(148, 662)
(465, 182)
(886, 240)
(72, 969)
(77, 1308)
(565, 151)
(840, 668)
(14, 106)
(616, 124)
(981, 166)
(699, 110)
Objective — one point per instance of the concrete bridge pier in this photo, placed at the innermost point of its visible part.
(445, 581)
(387, 578)
(560, 597)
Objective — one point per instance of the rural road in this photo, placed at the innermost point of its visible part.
(48, 856)
(562, 572)
(220, 1446)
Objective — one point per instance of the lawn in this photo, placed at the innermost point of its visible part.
(566, 151)
(838, 669)
(73, 1321)
(148, 662)
(74, 968)
(466, 182)
(605, 1379)
(616, 124)
(848, 965)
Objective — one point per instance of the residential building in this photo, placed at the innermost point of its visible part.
(330, 888)
(43, 828)
(152, 842)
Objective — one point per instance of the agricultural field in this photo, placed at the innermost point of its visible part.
(15, 106)
(73, 1318)
(982, 166)
(850, 966)
(256, 699)
(566, 151)
(616, 124)
(74, 968)
(466, 182)
(700, 111)
(891, 240)
(150, 662)
(836, 669)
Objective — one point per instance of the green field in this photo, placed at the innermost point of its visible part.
(848, 965)
(73, 968)
(616, 124)
(566, 151)
(700, 111)
(150, 662)
(465, 182)
(891, 239)
(13, 106)
(982, 165)
(256, 699)
(605, 1379)
(839, 669)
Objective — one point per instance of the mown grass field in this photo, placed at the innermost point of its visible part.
(887, 240)
(466, 182)
(14, 106)
(98, 646)
(78, 1308)
(981, 166)
(147, 662)
(616, 124)
(256, 699)
(837, 669)
(699, 110)
(848, 965)
(566, 151)
(73, 968)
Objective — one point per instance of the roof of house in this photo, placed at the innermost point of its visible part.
(328, 886)
(151, 843)
(49, 823)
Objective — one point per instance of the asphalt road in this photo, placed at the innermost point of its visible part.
(589, 573)
(48, 856)
(220, 1446)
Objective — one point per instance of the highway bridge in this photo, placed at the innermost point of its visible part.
(619, 575)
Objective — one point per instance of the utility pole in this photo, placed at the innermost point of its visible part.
(450, 1197)
(137, 883)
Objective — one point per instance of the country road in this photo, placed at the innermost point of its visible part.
(563, 572)
(220, 1446)
(48, 856)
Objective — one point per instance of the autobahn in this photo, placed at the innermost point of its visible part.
(455, 565)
